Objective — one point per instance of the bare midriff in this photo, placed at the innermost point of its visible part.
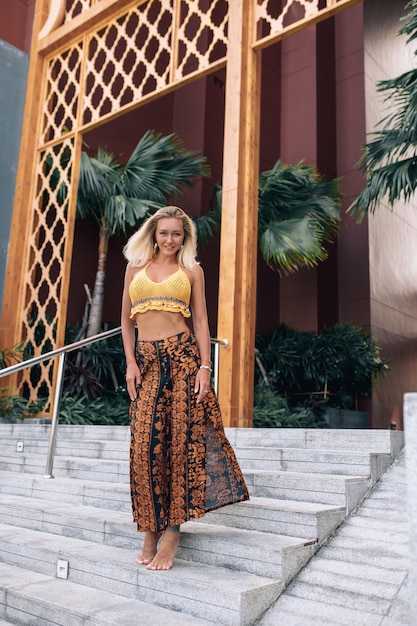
(155, 325)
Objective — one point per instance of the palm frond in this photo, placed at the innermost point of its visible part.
(389, 160)
(394, 181)
(97, 177)
(298, 211)
(159, 167)
(208, 225)
(410, 28)
(292, 243)
(121, 212)
(124, 195)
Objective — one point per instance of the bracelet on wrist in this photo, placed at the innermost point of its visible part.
(206, 367)
(206, 361)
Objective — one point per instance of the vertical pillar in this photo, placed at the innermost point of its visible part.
(10, 331)
(39, 260)
(410, 424)
(239, 231)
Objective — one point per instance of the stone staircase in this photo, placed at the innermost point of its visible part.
(68, 544)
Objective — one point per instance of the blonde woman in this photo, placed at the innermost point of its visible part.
(181, 463)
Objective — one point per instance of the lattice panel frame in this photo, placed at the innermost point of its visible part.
(275, 18)
(149, 48)
(62, 84)
(127, 59)
(45, 263)
(202, 35)
(74, 8)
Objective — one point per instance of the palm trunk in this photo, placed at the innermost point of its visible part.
(96, 309)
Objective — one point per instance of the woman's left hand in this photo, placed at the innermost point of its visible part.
(202, 384)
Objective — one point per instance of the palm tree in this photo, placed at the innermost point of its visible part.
(390, 159)
(297, 212)
(120, 195)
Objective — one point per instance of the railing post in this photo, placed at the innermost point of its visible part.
(216, 368)
(216, 344)
(55, 416)
(410, 428)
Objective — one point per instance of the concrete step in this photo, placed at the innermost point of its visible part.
(220, 594)
(256, 552)
(300, 461)
(110, 450)
(341, 462)
(332, 489)
(112, 463)
(70, 466)
(314, 612)
(361, 575)
(285, 517)
(30, 429)
(266, 458)
(231, 566)
(41, 600)
(352, 440)
(368, 440)
(265, 554)
(336, 490)
(113, 496)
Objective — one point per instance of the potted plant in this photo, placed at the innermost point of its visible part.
(326, 372)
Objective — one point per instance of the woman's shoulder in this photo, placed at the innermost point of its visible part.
(132, 270)
(193, 272)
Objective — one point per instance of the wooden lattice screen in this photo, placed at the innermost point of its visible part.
(91, 61)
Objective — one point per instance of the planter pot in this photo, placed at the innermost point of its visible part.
(342, 418)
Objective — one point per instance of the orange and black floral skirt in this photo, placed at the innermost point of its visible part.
(181, 463)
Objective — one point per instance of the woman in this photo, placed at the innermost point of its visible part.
(181, 464)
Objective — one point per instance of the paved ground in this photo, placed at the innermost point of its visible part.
(360, 576)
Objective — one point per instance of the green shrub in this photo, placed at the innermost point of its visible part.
(107, 410)
(272, 411)
(332, 368)
(14, 408)
(9, 356)
(93, 382)
(96, 370)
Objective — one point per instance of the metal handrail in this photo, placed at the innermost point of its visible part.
(58, 351)
(62, 354)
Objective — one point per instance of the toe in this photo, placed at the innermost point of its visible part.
(141, 561)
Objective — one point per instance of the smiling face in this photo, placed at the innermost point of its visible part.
(169, 235)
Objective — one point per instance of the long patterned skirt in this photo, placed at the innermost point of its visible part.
(181, 463)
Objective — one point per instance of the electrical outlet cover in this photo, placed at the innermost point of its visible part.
(62, 568)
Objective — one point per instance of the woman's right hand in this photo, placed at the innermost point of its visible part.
(133, 380)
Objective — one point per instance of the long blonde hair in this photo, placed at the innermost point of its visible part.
(140, 247)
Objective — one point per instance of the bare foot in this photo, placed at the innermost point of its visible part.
(164, 558)
(149, 548)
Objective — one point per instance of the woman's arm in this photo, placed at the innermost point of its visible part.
(133, 377)
(201, 331)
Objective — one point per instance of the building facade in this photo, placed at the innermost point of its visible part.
(245, 83)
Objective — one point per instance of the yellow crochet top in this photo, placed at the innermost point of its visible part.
(172, 294)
